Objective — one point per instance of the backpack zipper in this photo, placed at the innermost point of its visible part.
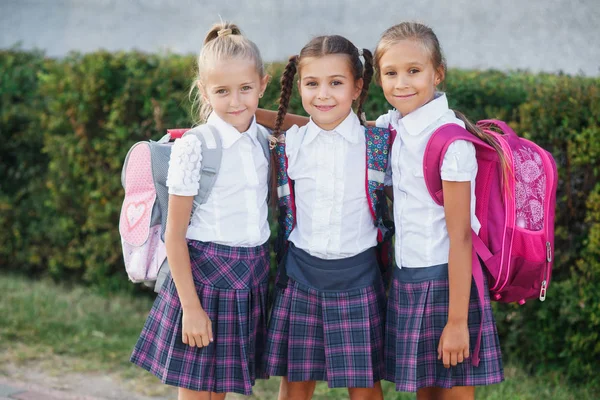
(550, 185)
(545, 281)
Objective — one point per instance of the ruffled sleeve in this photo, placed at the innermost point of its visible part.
(183, 178)
(460, 162)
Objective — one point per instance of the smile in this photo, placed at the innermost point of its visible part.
(236, 112)
(324, 108)
(406, 96)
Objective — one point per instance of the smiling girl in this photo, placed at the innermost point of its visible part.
(327, 322)
(206, 330)
(433, 316)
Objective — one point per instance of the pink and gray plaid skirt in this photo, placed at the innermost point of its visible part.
(416, 316)
(232, 285)
(326, 335)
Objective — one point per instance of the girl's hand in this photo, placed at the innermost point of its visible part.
(454, 344)
(197, 327)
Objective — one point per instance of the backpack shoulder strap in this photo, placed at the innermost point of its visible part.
(212, 152)
(435, 151)
(263, 139)
(378, 142)
(285, 192)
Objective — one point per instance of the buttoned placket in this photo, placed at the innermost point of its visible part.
(398, 208)
(324, 193)
(247, 158)
(339, 152)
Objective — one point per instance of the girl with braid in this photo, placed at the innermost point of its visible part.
(328, 315)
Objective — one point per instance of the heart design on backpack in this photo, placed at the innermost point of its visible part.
(143, 217)
(134, 213)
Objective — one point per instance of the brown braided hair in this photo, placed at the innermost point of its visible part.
(287, 84)
(367, 76)
(318, 47)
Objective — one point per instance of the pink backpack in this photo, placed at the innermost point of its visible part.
(144, 212)
(516, 240)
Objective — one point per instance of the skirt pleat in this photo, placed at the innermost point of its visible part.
(335, 337)
(416, 316)
(232, 285)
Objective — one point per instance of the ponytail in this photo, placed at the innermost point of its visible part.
(487, 138)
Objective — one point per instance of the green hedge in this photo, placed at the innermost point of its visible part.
(67, 124)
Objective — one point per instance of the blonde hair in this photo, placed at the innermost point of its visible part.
(222, 42)
(425, 36)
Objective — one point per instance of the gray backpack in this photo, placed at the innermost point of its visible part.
(144, 212)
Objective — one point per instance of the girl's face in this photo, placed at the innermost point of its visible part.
(408, 77)
(327, 88)
(232, 88)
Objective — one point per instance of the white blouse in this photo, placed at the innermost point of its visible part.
(235, 213)
(421, 233)
(333, 220)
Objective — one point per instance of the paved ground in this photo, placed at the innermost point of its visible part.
(29, 382)
(10, 389)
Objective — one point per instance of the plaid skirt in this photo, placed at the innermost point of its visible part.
(416, 316)
(329, 336)
(232, 285)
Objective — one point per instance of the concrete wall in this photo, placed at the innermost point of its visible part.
(538, 35)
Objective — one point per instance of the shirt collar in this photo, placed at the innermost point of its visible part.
(230, 135)
(418, 120)
(346, 129)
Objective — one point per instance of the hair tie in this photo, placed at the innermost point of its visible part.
(224, 32)
(274, 141)
(360, 52)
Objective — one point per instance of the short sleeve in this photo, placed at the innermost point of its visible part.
(385, 120)
(460, 162)
(183, 178)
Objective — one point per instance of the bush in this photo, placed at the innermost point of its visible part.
(23, 197)
(562, 114)
(67, 124)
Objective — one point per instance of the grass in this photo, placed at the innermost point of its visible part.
(72, 329)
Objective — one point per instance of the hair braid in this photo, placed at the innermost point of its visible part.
(367, 76)
(287, 85)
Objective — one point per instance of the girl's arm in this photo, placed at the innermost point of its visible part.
(267, 118)
(197, 327)
(454, 342)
